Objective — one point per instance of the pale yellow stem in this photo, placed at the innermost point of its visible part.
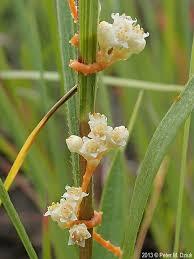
(30, 140)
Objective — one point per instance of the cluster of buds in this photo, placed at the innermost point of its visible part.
(66, 211)
(116, 41)
(100, 139)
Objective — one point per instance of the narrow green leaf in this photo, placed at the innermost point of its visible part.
(67, 52)
(46, 242)
(114, 216)
(183, 172)
(12, 213)
(25, 15)
(182, 184)
(18, 131)
(107, 80)
(158, 147)
(140, 84)
(192, 60)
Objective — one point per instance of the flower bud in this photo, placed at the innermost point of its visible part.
(74, 143)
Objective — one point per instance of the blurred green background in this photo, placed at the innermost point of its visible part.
(29, 41)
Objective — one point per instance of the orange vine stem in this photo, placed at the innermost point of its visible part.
(73, 9)
(87, 176)
(116, 250)
(87, 69)
(95, 221)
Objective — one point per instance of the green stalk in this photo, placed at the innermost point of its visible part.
(109, 81)
(88, 13)
(88, 21)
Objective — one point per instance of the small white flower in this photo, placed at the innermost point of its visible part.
(74, 194)
(118, 137)
(53, 211)
(98, 126)
(62, 212)
(122, 38)
(78, 235)
(92, 149)
(74, 143)
(97, 118)
(100, 132)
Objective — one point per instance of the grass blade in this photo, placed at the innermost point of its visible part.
(107, 80)
(46, 244)
(157, 188)
(112, 227)
(182, 183)
(67, 52)
(183, 171)
(25, 14)
(158, 147)
(138, 84)
(18, 130)
(16, 222)
(30, 140)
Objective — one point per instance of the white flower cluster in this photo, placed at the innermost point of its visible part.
(100, 139)
(122, 38)
(66, 211)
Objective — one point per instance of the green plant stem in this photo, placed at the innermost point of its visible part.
(107, 80)
(139, 84)
(182, 183)
(135, 113)
(88, 21)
